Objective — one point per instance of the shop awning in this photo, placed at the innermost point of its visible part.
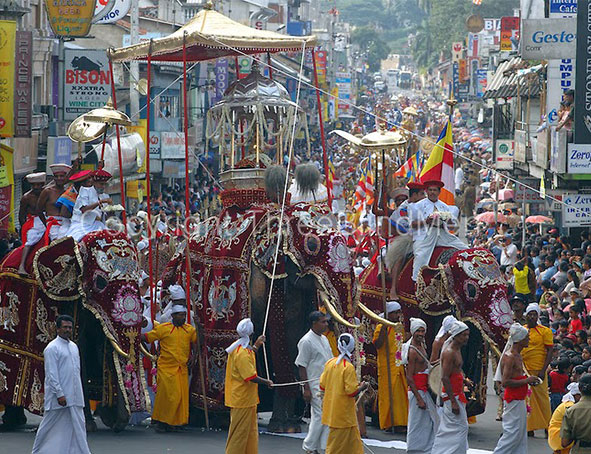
(514, 77)
(212, 35)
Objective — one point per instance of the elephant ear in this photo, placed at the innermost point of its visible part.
(58, 270)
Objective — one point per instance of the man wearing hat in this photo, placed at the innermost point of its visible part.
(431, 217)
(28, 205)
(87, 215)
(177, 341)
(536, 358)
(52, 223)
(395, 378)
(67, 200)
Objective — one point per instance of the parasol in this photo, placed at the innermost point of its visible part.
(211, 35)
(538, 219)
(489, 217)
(505, 194)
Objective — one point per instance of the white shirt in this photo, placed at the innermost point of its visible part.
(87, 196)
(509, 255)
(62, 374)
(313, 353)
(459, 178)
(422, 209)
(401, 217)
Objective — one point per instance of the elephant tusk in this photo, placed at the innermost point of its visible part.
(118, 349)
(147, 354)
(334, 314)
(375, 317)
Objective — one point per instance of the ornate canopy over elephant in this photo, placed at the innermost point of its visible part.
(95, 281)
(467, 284)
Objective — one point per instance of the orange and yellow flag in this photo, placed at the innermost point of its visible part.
(440, 165)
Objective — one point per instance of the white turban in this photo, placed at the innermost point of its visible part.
(445, 326)
(177, 308)
(517, 333)
(573, 389)
(346, 345)
(393, 306)
(533, 307)
(416, 323)
(141, 245)
(457, 328)
(244, 329)
(177, 292)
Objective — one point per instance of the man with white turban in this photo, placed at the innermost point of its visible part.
(536, 358)
(452, 432)
(422, 414)
(568, 400)
(241, 391)
(177, 343)
(392, 387)
(339, 412)
(441, 337)
(515, 381)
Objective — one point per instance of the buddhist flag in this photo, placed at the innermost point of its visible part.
(411, 168)
(440, 165)
(364, 191)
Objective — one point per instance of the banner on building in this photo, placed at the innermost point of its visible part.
(578, 159)
(7, 48)
(565, 7)
(320, 57)
(70, 20)
(509, 33)
(544, 39)
(87, 82)
(23, 84)
(463, 68)
(576, 210)
(343, 83)
(456, 79)
(172, 145)
(504, 154)
(457, 49)
(154, 145)
(221, 78)
(6, 192)
(583, 75)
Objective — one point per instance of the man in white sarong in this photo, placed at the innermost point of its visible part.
(452, 432)
(313, 353)
(63, 428)
(510, 373)
(431, 218)
(422, 413)
(87, 215)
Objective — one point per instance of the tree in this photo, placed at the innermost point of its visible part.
(368, 40)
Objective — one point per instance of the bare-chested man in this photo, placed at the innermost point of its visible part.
(511, 374)
(49, 214)
(441, 337)
(28, 206)
(422, 414)
(452, 433)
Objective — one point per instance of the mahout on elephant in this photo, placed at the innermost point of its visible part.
(96, 282)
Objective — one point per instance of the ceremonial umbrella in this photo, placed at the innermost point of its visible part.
(489, 217)
(538, 219)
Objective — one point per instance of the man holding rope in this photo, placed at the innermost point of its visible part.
(313, 353)
(339, 413)
(241, 391)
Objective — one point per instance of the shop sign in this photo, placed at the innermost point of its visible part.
(576, 210)
(70, 17)
(23, 85)
(172, 145)
(7, 46)
(583, 74)
(509, 33)
(504, 154)
(579, 158)
(548, 38)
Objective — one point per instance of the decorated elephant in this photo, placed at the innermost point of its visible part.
(467, 284)
(96, 282)
(234, 275)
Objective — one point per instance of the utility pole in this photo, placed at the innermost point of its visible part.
(134, 66)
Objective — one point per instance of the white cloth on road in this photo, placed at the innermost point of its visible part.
(514, 438)
(313, 353)
(452, 433)
(422, 424)
(427, 237)
(62, 428)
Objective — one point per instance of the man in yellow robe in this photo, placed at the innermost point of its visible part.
(536, 358)
(171, 405)
(397, 379)
(340, 386)
(568, 400)
(241, 391)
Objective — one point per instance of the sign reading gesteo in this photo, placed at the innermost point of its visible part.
(87, 82)
(70, 17)
(548, 38)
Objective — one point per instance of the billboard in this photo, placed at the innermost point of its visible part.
(548, 38)
(504, 154)
(7, 45)
(343, 83)
(576, 210)
(70, 19)
(320, 57)
(509, 33)
(87, 82)
(579, 158)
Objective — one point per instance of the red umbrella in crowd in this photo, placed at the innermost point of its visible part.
(538, 219)
(489, 217)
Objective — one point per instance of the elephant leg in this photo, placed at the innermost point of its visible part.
(13, 417)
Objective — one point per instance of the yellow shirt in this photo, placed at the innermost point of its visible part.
(240, 391)
(521, 285)
(339, 383)
(554, 440)
(534, 355)
(175, 345)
